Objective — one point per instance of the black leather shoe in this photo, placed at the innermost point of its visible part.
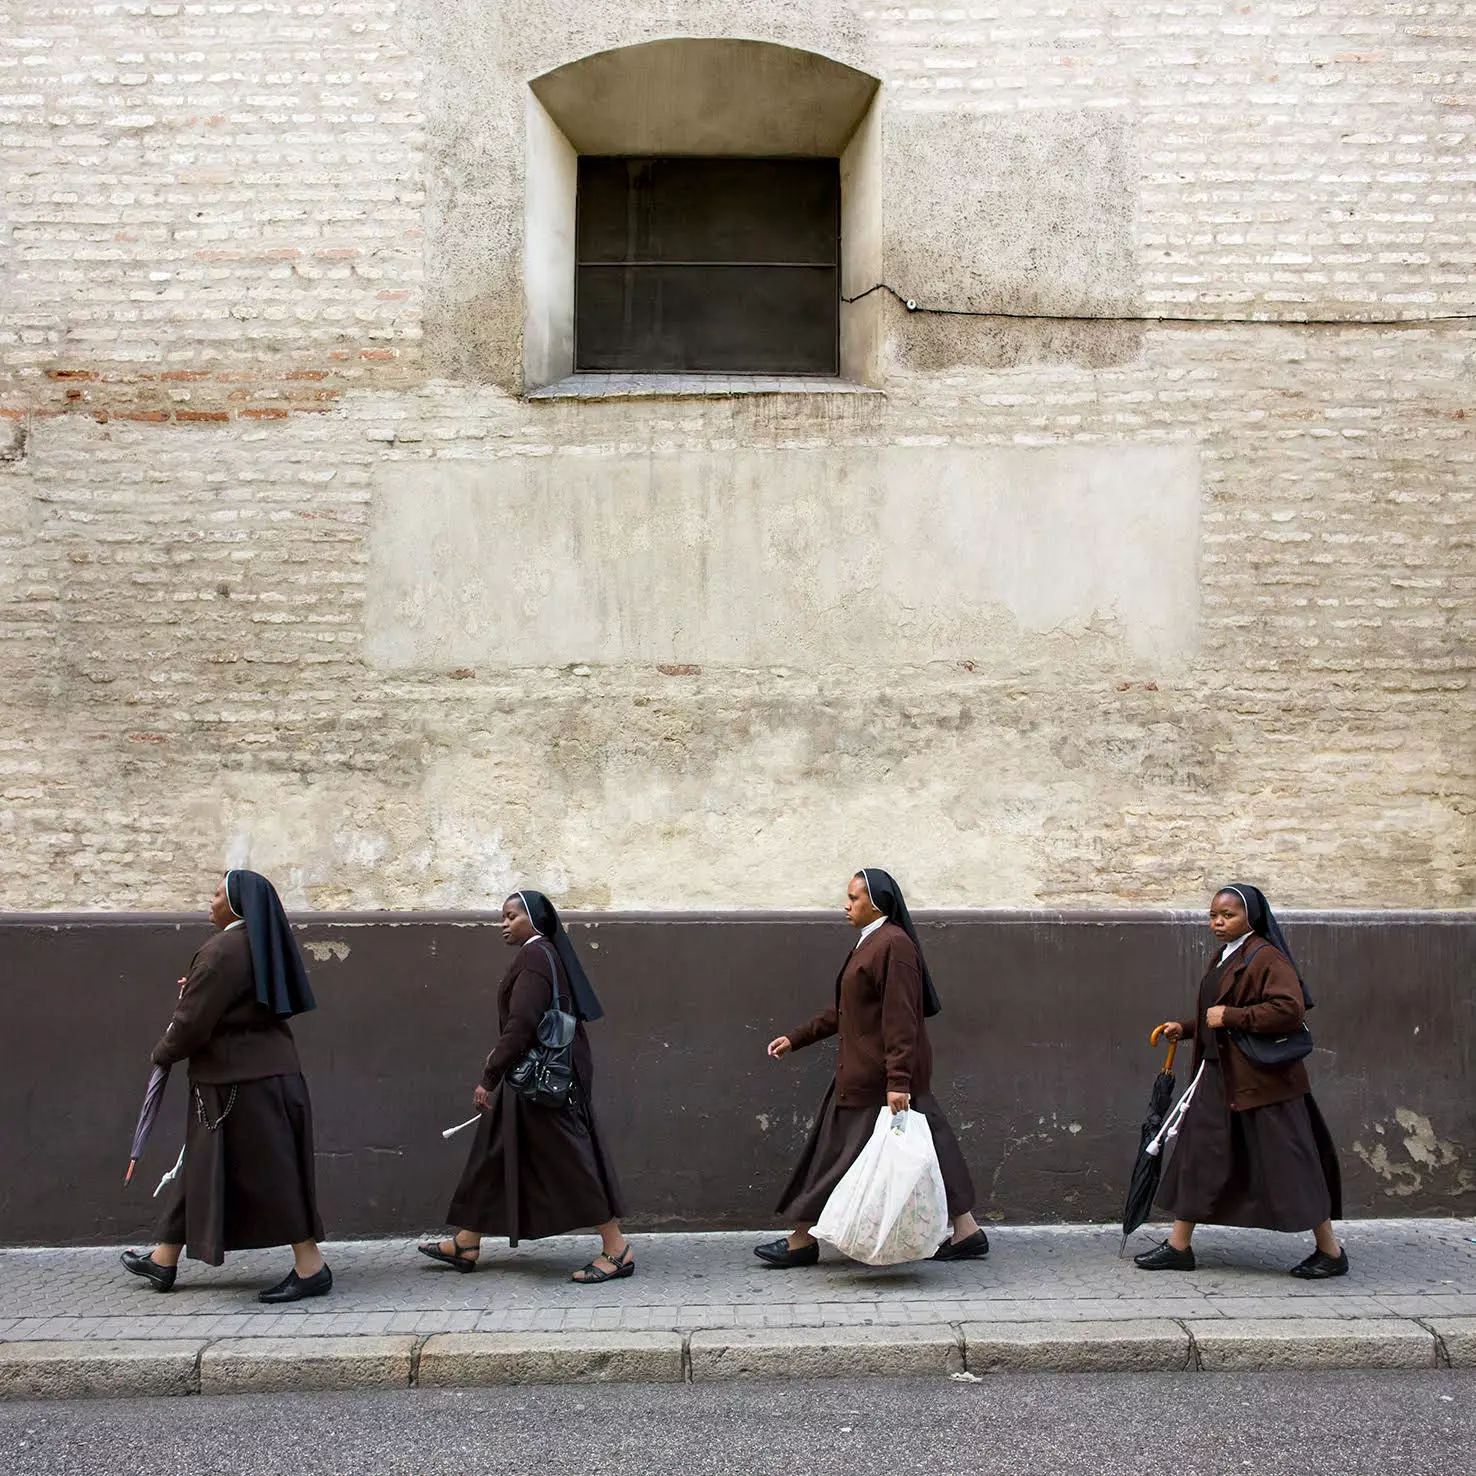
(1318, 1267)
(971, 1248)
(1163, 1257)
(777, 1254)
(150, 1270)
(293, 1288)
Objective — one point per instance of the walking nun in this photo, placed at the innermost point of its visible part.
(246, 1180)
(537, 1170)
(1253, 1149)
(884, 1059)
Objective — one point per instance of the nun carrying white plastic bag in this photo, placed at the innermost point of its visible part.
(891, 1205)
(883, 997)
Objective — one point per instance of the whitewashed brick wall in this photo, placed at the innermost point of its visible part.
(217, 226)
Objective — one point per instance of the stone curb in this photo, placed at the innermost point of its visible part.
(1457, 1339)
(1131, 1346)
(141, 1367)
(460, 1360)
(824, 1352)
(274, 1365)
(1270, 1344)
(149, 1367)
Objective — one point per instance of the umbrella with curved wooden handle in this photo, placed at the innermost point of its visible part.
(153, 1096)
(1148, 1167)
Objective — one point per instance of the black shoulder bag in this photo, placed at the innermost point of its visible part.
(1274, 1050)
(545, 1076)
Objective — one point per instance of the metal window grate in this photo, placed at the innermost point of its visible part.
(693, 265)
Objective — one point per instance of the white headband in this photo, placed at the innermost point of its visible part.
(529, 912)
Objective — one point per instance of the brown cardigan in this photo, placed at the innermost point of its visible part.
(526, 991)
(1261, 993)
(878, 1013)
(219, 1026)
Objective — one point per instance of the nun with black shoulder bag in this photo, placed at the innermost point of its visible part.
(1252, 1148)
(538, 1165)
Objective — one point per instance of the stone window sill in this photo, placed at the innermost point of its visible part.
(687, 386)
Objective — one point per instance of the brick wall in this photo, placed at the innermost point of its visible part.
(233, 261)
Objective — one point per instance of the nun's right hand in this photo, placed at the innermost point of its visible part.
(481, 1098)
(781, 1046)
(1170, 1030)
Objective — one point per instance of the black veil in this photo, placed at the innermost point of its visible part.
(281, 979)
(886, 896)
(548, 924)
(1263, 923)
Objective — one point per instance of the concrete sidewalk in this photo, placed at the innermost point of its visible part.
(72, 1322)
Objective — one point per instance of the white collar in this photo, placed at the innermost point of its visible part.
(867, 931)
(534, 939)
(1231, 947)
(240, 922)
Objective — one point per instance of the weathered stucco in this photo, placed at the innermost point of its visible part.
(779, 555)
(1071, 612)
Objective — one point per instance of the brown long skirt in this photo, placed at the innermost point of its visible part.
(547, 1176)
(249, 1183)
(835, 1143)
(1268, 1168)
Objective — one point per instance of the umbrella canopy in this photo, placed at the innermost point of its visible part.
(153, 1096)
(1149, 1166)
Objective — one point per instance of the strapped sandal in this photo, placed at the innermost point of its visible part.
(458, 1256)
(593, 1275)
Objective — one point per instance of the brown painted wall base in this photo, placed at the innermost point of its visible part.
(1042, 1057)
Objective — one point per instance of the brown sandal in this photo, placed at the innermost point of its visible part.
(458, 1256)
(593, 1275)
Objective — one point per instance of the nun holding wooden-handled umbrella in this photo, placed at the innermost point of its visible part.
(884, 1062)
(245, 1178)
(1253, 1149)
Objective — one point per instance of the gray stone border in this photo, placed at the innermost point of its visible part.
(150, 1367)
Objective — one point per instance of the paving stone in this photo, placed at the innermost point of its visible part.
(813, 1353)
(58, 1370)
(278, 1364)
(479, 1359)
(1129, 1346)
(1312, 1343)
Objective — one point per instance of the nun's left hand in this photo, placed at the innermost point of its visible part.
(1214, 1017)
(898, 1101)
(481, 1100)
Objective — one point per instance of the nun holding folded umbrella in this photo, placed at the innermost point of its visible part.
(1253, 1149)
(882, 995)
(245, 1180)
(534, 1169)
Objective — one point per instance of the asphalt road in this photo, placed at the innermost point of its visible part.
(1417, 1424)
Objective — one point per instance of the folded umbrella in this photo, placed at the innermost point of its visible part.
(153, 1096)
(1148, 1167)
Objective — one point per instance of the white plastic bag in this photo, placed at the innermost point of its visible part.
(890, 1206)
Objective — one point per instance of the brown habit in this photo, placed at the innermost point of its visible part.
(248, 1177)
(1254, 1149)
(883, 1047)
(534, 1171)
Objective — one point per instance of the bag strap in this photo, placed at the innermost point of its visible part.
(553, 958)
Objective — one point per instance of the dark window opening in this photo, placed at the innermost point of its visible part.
(711, 266)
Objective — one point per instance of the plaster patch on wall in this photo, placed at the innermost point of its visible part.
(322, 951)
(779, 556)
(1028, 213)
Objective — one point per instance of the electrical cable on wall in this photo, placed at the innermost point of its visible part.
(913, 306)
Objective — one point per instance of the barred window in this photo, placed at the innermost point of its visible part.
(707, 265)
